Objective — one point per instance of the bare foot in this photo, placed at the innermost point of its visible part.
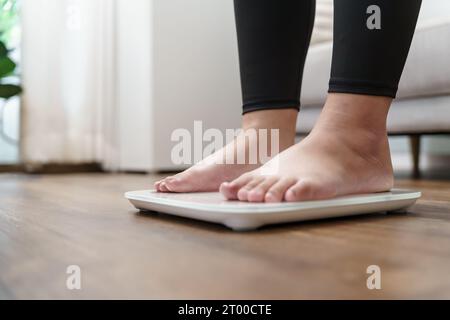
(209, 174)
(346, 153)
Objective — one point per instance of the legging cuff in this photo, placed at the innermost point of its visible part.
(362, 87)
(270, 105)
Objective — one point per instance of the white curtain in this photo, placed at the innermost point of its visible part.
(68, 70)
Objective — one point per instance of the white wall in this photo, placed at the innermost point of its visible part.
(196, 73)
(178, 63)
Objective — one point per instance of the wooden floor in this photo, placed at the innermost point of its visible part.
(50, 222)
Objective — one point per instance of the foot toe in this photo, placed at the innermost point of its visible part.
(277, 191)
(227, 191)
(157, 184)
(163, 188)
(258, 193)
(230, 190)
(173, 184)
(304, 190)
(243, 192)
(185, 182)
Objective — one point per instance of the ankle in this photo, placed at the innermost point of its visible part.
(357, 122)
(359, 113)
(284, 120)
(270, 119)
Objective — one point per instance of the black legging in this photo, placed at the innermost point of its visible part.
(371, 43)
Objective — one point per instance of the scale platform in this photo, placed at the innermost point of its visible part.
(244, 216)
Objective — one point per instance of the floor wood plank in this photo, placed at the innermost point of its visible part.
(50, 222)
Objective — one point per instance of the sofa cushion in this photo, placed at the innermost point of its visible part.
(420, 115)
(427, 70)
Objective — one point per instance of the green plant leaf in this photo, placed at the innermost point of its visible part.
(9, 90)
(3, 50)
(7, 67)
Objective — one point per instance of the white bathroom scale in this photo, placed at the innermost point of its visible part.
(243, 216)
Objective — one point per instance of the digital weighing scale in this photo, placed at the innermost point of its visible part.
(243, 216)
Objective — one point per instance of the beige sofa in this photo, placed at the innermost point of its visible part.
(423, 103)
